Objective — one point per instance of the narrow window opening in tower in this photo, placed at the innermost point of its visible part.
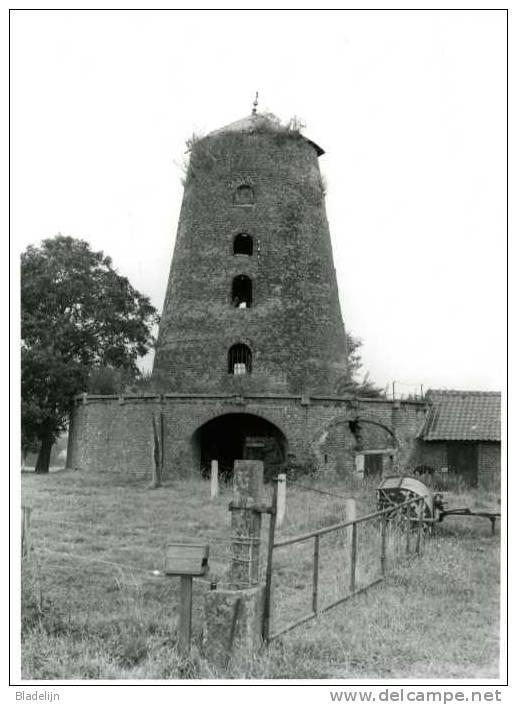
(243, 245)
(244, 195)
(239, 359)
(242, 291)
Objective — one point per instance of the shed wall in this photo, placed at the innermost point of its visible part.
(434, 453)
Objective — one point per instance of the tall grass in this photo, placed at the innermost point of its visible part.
(81, 619)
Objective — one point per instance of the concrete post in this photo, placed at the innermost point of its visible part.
(234, 613)
(281, 500)
(359, 466)
(248, 489)
(351, 515)
(214, 479)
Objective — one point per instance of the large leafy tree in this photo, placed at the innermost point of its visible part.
(78, 313)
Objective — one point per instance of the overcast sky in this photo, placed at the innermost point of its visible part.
(410, 108)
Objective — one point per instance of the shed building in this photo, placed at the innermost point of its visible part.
(461, 436)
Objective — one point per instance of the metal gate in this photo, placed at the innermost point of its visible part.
(401, 513)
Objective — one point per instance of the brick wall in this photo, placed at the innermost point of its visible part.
(108, 435)
(116, 434)
(489, 465)
(294, 327)
(434, 453)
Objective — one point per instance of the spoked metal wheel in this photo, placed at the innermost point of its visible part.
(395, 491)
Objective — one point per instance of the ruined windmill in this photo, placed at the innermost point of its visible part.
(251, 350)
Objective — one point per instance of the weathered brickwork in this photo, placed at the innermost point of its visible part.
(261, 184)
(115, 434)
(434, 454)
(294, 326)
(489, 465)
(107, 434)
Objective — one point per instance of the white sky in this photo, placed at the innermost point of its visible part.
(409, 106)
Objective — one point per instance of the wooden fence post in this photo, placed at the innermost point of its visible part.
(185, 620)
(162, 441)
(384, 523)
(281, 499)
(315, 573)
(156, 481)
(420, 525)
(26, 539)
(353, 557)
(269, 569)
(408, 531)
(214, 479)
(26, 529)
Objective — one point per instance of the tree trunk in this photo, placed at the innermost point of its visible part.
(43, 462)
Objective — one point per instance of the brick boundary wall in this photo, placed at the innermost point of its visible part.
(115, 433)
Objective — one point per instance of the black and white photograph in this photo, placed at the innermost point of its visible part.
(259, 353)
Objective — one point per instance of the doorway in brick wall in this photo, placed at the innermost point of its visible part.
(231, 437)
(373, 464)
(462, 460)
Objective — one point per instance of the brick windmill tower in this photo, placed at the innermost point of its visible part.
(252, 301)
(251, 354)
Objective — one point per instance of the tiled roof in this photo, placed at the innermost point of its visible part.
(462, 416)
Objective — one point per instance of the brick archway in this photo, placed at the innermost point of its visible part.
(238, 434)
(351, 417)
(323, 433)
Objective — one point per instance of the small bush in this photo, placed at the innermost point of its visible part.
(38, 611)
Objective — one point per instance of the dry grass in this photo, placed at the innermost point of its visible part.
(434, 617)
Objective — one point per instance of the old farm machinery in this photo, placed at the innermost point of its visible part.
(395, 490)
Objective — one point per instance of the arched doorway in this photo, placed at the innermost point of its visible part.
(236, 436)
(376, 449)
(356, 448)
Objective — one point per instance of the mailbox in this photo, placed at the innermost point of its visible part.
(186, 559)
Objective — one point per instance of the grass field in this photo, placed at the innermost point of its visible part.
(91, 608)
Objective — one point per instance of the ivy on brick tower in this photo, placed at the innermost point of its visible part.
(252, 301)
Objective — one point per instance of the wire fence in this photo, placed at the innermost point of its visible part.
(86, 559)
(319, 491)
(76, 562)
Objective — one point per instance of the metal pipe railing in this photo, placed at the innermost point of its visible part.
(344, 524)
(316, 534)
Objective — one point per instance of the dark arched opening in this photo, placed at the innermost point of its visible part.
(239, 359)
(243, 244)
(242, 290)
(244, 195)
(239, 437)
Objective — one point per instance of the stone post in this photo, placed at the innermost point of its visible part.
(281, 500)
(351, 515)
(248, 483)
(214, 479)
(234, 613)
